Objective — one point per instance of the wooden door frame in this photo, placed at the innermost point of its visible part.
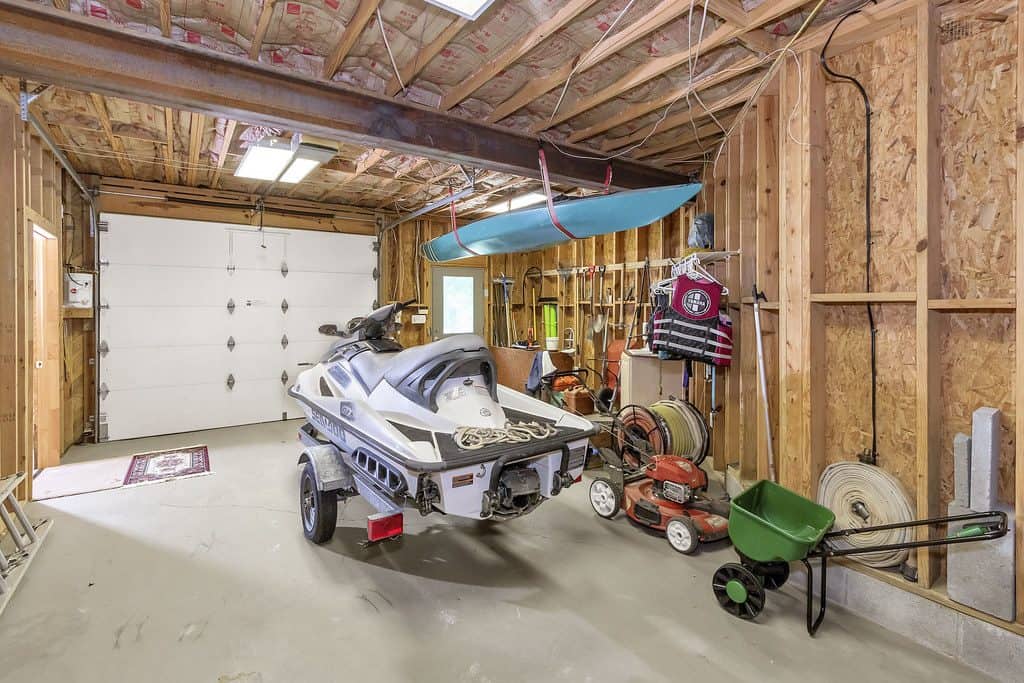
(46, 386)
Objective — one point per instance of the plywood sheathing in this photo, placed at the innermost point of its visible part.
(977, 354)
(978, 143)
(886, 68)
(847, 382)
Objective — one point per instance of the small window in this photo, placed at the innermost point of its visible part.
(459, 306)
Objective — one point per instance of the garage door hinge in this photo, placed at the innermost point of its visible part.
(375, 245)
(103, 226)
(104, 262)
(231, 382)
(104, 348)
(231, 343)
(103, 391)
(284, 305)
(284, 341)
(284, 377)
(376, 274)
(231, 305)
(231, 268)
(284, 269)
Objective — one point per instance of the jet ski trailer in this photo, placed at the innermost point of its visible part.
(425, 428)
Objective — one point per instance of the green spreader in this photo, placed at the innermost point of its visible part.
(770, 526)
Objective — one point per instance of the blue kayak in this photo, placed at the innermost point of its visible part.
(531, 228)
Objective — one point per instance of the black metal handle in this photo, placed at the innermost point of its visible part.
(985, 518)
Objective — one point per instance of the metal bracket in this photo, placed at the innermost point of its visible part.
(231, 269)
(375, 305)
(103, 390)
(284, 377)
(104, 348)
(231, 343)
(25, 97)
(284, 341)
(104, 262)
(231, 305)
(103, 226)
(376, 274)
(231, 382)
(284, 269)
(284, 305)
(375, 246)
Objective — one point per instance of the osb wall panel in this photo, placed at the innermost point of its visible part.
(978, 164)
(977, 351)
(887, 69)
(848, 388)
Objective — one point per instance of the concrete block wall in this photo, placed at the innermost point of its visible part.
(991, 650)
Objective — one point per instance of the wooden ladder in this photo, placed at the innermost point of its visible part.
(25, 538)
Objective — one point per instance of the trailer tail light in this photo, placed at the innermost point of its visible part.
(381, 526)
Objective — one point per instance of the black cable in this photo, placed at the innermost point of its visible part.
(872, 456)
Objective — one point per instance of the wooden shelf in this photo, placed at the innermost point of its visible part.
(765, 305)
(936, 594)
(972, 304)
(848, 298)
(77, 312)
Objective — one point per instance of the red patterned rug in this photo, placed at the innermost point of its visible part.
(176, 463)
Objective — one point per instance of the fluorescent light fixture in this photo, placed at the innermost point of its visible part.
(307, 157)
(522, 201)
(470, 9)
(266, 159)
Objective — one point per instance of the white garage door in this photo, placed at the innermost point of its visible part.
(204, 324)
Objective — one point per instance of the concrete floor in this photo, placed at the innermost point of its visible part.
(210, 579)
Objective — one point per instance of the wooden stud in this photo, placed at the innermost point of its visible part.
(170, 167)
(165, 18)
(801, 334)
(423, 57)
(9, 128)
(1019, 360)
(363, 14)
(744, 273)
(262, 24)
(729, 10)
(928, 228)
(492, 67)
(625, 36)
(100, 107)
(767, 273)
(222, 155)
(195, 143)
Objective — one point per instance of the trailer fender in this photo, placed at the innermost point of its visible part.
(331, 472)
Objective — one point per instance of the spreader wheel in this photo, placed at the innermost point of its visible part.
(605, 497)
(774, 574)
(738, 591)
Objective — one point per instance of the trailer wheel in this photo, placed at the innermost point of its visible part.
(738, 591)
(774, 574)
(605, 498)
(682, 535)
(318, 509)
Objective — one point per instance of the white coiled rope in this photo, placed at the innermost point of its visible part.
(474, 438)
(863, 495)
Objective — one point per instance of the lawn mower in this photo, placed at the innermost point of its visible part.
(664, 492)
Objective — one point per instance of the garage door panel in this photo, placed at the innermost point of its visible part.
(348, 253)
(154, 241)
(137, 368)
(129, 285)
(167, 315)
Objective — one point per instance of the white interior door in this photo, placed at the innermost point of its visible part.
(204, 324)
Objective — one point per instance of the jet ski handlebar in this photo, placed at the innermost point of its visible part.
(373, 326)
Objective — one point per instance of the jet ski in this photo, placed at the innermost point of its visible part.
(425, 428)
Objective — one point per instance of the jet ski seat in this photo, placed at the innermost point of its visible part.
(407, 362)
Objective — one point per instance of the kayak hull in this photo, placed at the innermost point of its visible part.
(531, 228)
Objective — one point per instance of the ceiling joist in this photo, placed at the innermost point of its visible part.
(514, 52)
(423, 57)
(262, 24)
(42, 44)
(222, 154)
(364, 13)
(103, 117)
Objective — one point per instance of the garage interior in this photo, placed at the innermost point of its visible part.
(163, 296)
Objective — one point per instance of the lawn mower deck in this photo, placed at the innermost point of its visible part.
(667, 494)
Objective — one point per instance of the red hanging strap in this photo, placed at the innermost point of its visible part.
(547, 191)
(608, 179)
(455, 227)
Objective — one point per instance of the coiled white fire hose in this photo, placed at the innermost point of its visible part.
(863, 495)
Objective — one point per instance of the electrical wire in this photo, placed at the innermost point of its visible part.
(576, 66)
(872, 455)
